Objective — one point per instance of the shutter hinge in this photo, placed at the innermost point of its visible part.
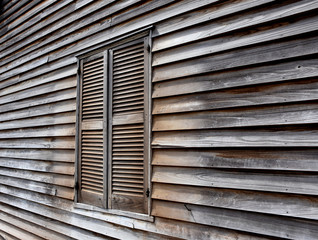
(148, 48)
(148, 192)
(76, 186)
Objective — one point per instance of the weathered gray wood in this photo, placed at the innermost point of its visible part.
(238, 21)
(7, 236)
(39, 100)
(163, 226)
(14, 85)
(262, 159)
(53, 142)
(33, 186)
(238, 138)
(52, 108)
(52, 131)
(39, 90)
(238, 117)
(40, 231)
(61, 19)
(55, 179)
(16, 231)
(61, 118)
(293, 205)
(30, 17)
(233, 41)
(132, 25)
(43, 166)
(244, 221)
(209, 13)
(47, 228)
(277, 72)
(75, 220)
(249, 56)
(270, 182)
(39, 154)
(296, 91)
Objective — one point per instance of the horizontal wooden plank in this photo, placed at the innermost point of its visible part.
(259, 181)
(306, 113)
(40, 100)
(228, 60)
(237, 138)
(111, 33)
(54, 143)
(40, 231)
(39, 90)
(39, 154)
(39, 68)
(302, 159)
(16, 231)
(186, 230)
(232, 41)
(37, 15)
(7, 236)
(33, 186)
(60, 20)
(55, 179)
(62, 27)
(42, 166)
(275, 159)
(286, 92)
(46, 109)
(54, 229)
(54, 119)
(52, 131)
(244, 221)
(269, 73)
(277, 204)
(15, 85)
(15, 11)
(79, 221)
(208, 13)
(255, 17)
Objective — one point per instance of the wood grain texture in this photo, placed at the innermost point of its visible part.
(238, 117)
(245, 158)
(259, 181)
(238, 21)
(267, 73)
(263, 224)
(261, 202)
(234, 118)
(237, 138)
(252, 55)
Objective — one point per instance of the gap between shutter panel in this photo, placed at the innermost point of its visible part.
(127, 140)
(92, 157)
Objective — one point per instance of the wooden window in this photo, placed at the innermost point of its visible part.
(114, 128)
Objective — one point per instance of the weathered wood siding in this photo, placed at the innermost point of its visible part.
(235, 118)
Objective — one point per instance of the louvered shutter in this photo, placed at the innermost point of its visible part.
(127, 140)
(92, 131)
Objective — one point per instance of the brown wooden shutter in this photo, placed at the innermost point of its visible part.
(92, 131)
(128, 160)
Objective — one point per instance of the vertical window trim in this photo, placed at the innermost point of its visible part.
(146, 35)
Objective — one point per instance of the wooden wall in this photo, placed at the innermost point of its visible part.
(235, 118)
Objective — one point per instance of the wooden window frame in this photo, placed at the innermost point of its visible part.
(123, 41)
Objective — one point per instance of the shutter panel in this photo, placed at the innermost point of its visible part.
(92, 131)
(127, 183)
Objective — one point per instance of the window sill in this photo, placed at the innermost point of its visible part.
(138, 216)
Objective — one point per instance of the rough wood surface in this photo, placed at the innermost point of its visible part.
(234, 118)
